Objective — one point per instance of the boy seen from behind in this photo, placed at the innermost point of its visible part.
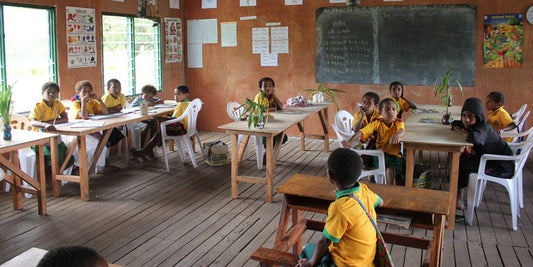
(389, 131)
(349, 237)
(498, 117)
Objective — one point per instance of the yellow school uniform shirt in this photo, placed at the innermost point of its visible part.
(499, 119)
(365, 121)
(266, 102)
(42, 112)
(93, 107)
(110, 101)
(179, 110)
(402, 104)
(383, 135)
(352, 233)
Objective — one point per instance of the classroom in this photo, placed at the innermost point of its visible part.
(141, 215)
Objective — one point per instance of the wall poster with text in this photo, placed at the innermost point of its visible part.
(173, 40)
(503, 41)
(81, 37)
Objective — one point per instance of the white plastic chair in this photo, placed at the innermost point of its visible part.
(479, 179)
(344, 120)
(520, 125)
(379, 173)
(235, 111)
(518, 114)
(184, 140)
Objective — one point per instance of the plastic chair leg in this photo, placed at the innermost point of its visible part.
(471, 197)
(179, 146)
(199, 143)
(191, 151)
(259, 151)
(164, 147)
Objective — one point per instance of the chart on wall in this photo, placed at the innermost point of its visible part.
(503, 41)
(81, 39)
(173, 40)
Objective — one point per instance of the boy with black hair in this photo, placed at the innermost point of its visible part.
(498, 117)
(349, 237)
(70, 256)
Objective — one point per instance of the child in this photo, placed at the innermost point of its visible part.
(114, 100)
(148, 95)
(72, 256)
(389, 131)
(46, 114)
(404, 104)
(367, 112)
(266, 88)
(498, 117)
(349, 237)
(477, 131)
(181, 95)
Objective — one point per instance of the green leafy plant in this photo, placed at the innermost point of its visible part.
(331, 93)
(5, 104)
(443, 89)
(257, 113)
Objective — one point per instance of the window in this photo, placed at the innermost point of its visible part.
(27, 52)
(131, 52)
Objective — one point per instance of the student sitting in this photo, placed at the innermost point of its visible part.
(368, 112)
(349, 237)
(72, 256)
(148, 96)
(486, 141)
(45, 115)
(114, 101)
(404, 105)
(498, 117)
(389, 131)
(181, 95)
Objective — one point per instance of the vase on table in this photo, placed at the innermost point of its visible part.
(318, 97)
(7, 132)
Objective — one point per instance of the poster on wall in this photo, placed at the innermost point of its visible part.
(173, 40)
(503, 41)
(81, 38)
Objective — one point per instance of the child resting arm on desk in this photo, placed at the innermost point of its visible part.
(389, 131)
(349, 237)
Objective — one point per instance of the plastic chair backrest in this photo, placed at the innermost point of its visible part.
(20, 122)
(193, 109)
(522, 123)
(517, 115)
(343, 120)
(234, 110)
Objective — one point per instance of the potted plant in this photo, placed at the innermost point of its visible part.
(443, 90)
(5, 110)
(318, 94)
(258, 114)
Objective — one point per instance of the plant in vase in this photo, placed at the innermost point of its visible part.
(318, 94)
(258, 114)
(443, 90)
(5, 110)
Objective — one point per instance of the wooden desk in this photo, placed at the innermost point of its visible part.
(434, 137)
(282, 121)
(23, 139)
(313, 193)
(87, 165)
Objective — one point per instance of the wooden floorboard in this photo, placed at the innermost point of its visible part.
(140, 215)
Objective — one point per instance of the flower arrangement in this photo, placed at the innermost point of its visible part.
(321, 90)
(257, 113)
(443, 89)
(5, 110)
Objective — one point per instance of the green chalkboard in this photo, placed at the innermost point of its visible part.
(411, 44)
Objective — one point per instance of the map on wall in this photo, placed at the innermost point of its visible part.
(503, 41)
(81, 38)
(173, 40)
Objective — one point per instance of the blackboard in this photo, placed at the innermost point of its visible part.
(381, 44)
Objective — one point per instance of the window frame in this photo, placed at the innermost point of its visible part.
(131, 53)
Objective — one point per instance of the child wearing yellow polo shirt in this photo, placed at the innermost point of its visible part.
(266, 87)
(46, 114)
(114, 100)
(405, 105)
(389, 131)
(349, 237)
(368, 112)
(499, 118)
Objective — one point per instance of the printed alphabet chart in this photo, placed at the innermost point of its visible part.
(81, 42)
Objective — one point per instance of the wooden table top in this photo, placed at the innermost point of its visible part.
(283, 119)
(394, 197)
(22, 138)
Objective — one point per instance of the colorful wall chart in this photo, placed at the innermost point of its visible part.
(173, 40)
(503, 41)
(81, 39)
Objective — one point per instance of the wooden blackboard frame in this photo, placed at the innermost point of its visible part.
(381, 44)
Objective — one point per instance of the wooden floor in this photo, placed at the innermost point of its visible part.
(142, 216)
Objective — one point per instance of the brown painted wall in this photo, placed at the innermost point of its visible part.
(232, 73)
(172, 74)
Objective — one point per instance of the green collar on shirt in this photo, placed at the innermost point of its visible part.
(185, 100)
(348, 191)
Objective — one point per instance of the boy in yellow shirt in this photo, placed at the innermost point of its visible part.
(114, 100)
(349, 237)
(389, 131)
(499, 118)
(181, 95)
(46, 114)
(266, 87)
(368, 112)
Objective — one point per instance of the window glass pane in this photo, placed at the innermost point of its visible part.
(146, 53)
(27, 50)
(116, 55)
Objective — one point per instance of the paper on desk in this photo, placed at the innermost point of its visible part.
(88, 124)
(165, 106)
(108, 116)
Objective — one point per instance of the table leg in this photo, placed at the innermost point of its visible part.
(283, 222)
(234, 165)
(54, 158)
(270, 166)
(302, 135)
(84, 170)
(438, 240)
(17, 194)
(324, 120)
(242, 147)
(296, 216)
(454, 179)
(41, 176)
(409, 166)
